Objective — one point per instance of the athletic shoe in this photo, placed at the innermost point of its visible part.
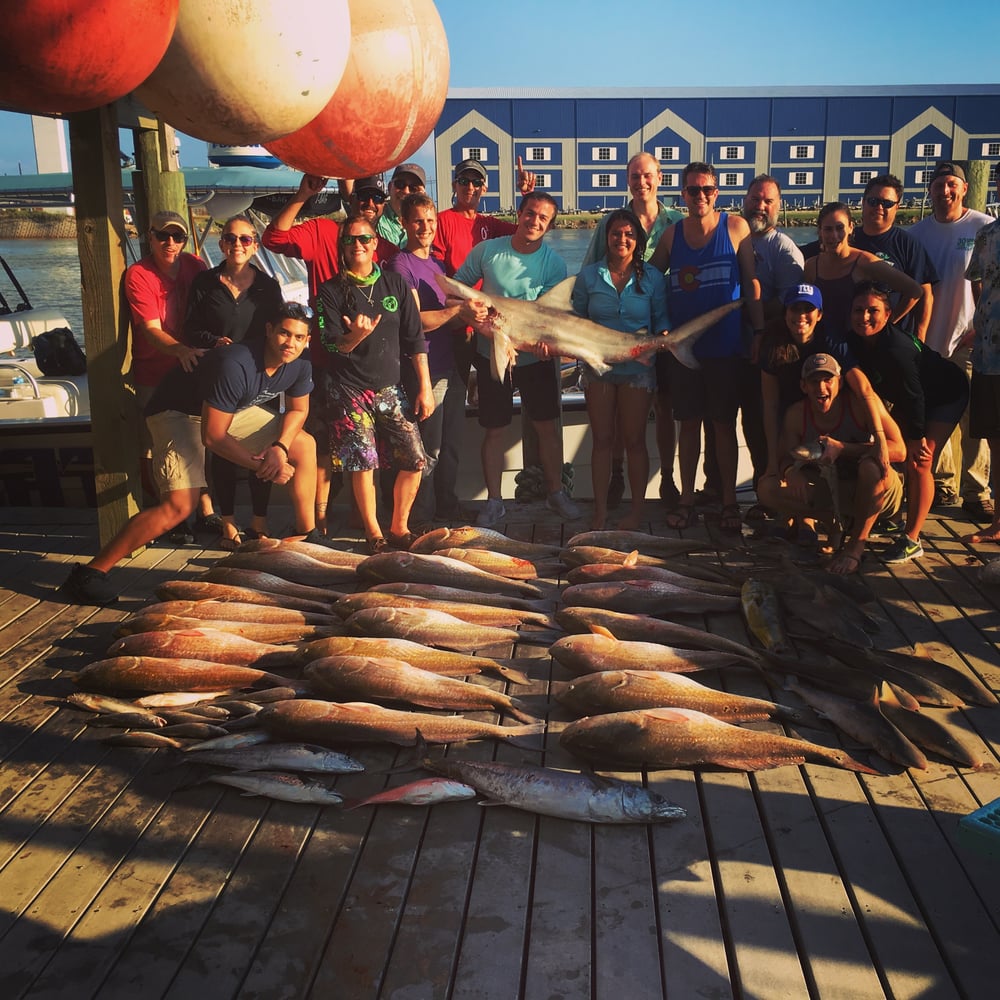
(492, 514)
(316, 537)
(979, 508)
(562, 505)
(86, 585)
(902, 550)
(181, 535)
(887, 526)
(945, 496)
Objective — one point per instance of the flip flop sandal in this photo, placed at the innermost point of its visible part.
(731, 520)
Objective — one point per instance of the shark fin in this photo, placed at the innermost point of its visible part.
(559, 296)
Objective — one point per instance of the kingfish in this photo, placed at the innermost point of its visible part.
(358, 722)
(269, 583)
(593, 572)
(681, 737)
(200, 590)
(586, 798)
(763, 615)
(239, 611)
(509, 567)
(136, 719)
(138, 624)
(482, 538)
(640, 541)
(231, 741)
(514, 324)
(367, 678)
(591, 653)
(478, 614)
(281, 786)
(434, 628)
(862, 721)
(205, 644)
(277, 757)
(424, 792)
(410, 567)
(417, 654)
(294, 566)
(645, 597)
(153, 673)
(625, 690)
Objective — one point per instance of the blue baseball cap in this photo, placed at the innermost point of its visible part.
(804, 293)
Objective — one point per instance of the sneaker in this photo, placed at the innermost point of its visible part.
(181, 535)
(945, 496)
(616, 487)
(979, 508)
(86, 585)
(887, 526)
(562, 505)
(316, 537)
(492, 514)
(902, 550)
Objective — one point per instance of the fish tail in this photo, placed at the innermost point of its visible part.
(500, 352)
(520, 711)
(685, 355)
(515, 734)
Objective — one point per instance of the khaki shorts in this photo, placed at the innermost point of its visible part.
(179, 455)
(847, 489)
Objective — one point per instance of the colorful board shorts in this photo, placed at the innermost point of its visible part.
(372, 429)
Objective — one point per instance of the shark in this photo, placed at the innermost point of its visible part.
(518, 325)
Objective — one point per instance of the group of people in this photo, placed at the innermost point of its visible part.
(861, 350)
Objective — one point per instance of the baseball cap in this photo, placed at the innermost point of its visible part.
(373, 183)
(411, 168)
(163, 219)
(948, 168)
(471, 166)
(816, 364)
(804, 293)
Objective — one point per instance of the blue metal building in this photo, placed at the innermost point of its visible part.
(821, 143)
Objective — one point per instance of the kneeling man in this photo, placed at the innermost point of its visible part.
(218, 406)
(839, 424)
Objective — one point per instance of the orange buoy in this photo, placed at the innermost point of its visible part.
(240, 72)
(389, 99)
(62, 56)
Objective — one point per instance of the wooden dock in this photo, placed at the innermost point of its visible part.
(121, 879)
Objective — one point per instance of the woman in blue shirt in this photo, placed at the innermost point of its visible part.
(622, 293)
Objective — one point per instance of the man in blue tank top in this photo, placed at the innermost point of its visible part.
(710, 260)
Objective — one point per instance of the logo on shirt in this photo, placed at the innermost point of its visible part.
(688, 278)
(390, 303)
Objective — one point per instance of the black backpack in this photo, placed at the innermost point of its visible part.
(58, 353)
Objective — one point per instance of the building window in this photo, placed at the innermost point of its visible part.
(604, 153)
(924, 176)
(863, 176)
(667, 154)
(671, 180)
(543, 180)
(866, 151)
(803, 152)
(604, 180)
(474, 153)
(929, 149)
(538, 153)
(732, 180)
(991, 149)
(800, 178)
(731, 153)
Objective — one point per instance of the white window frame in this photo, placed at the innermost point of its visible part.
(991, 148)
(605, 182)
(671, 180)
(667, 154)
(604, 154)
(538, 154)
(805, 175)
(863, 176)
(738, 152)
(872, 154)
(799, 151)
(924, 176)
(929, 149)
(543, 180)
(474, 153)
(731, 180)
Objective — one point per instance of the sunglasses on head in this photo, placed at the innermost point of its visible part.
(363, 238)
(169, 236)
(881, 203)
(706, 189)
(476, 182)
(244, 239)
(376, 197)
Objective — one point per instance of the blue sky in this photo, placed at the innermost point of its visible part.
(660, 44)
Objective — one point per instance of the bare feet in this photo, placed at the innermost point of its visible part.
(846, 561)
(990, 534)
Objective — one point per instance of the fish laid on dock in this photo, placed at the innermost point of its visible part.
(475, 613)
(280, 786)
(269, 583)
(566, 794)
(277, 757)
(206, 644)
(293, 566)
(762, 614)
(423, 792)
(507, 566)
(646, 597)
(590, 653)
(137, 624)
(639, 541)
(482, 538)
(412, 567)
(128, 674)
(239, 611)
(436, 592)
(928, 732)
(433, 628)
(202, 590)
(595, 572)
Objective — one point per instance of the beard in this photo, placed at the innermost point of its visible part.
(760, 223)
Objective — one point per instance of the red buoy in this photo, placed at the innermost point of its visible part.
(240, 72)
(61, 56)
(389, 99)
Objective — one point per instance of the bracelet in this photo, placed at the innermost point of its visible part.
(278, 444)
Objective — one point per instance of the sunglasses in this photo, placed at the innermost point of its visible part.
(169, 236)
(244, 239)
(707, 190)
(405, 186)
(376, 197)
(881, 203)
(476, 182)
(295, 310)
(363, 238)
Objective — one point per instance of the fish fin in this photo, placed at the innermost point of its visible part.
(500, 355)
(602, 631)
(559, 296)
(632, 559)
(684, 354)
(520, 711)
(511, 674)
